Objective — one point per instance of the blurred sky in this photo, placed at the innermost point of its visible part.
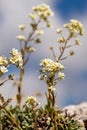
(73, 89)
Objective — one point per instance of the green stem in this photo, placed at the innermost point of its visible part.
(23, 50)
(63, 48)
(19, 95)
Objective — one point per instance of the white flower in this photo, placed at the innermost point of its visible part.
(3, 69)
(77, 42)
(3, 60)
(22, 26)
(31, 49)
(61, 40)
(48, 120)
(61, 76)
(21, 37)
(33, 16)
(59, 30)
(12, 60)
(39, 32)
(14, 52)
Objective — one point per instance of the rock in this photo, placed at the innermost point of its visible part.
(79, 111)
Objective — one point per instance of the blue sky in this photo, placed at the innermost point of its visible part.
(73, 89)
(70, 8)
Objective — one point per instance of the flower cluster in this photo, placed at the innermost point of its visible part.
(75, 27)
(31, 100)
(50, 69)
(51, 66)
(3, 65)
(16, 58)
(42, 12)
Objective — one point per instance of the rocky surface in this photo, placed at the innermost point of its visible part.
(79, 111)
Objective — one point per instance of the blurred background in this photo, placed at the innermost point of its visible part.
(71, 90)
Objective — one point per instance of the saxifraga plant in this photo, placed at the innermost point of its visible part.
(31, 116)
